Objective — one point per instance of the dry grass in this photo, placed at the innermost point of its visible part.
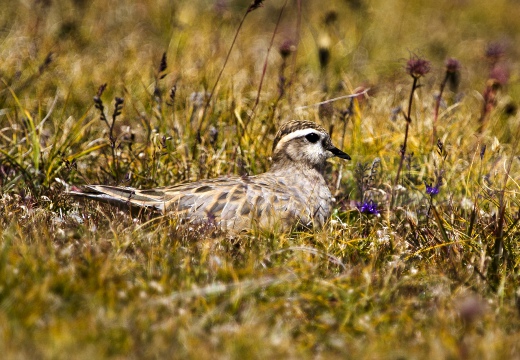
(427, 277)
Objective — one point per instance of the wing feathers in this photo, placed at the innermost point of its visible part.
(230, 201)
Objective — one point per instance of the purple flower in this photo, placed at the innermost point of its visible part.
(500, 74)
(368, 207)
(495, 51)
(417, 67)
(452, 65)
(452, 73)
(432, 190)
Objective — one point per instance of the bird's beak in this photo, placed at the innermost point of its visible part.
(337, 152)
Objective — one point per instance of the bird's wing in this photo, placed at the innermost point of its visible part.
(232, 202)
(214, 198)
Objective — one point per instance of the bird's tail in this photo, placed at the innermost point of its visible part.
(125, 198)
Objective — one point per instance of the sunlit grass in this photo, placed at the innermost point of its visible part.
(431, 275)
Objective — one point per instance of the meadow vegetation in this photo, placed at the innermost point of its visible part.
(421, 258)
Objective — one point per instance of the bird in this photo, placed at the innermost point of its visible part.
(292, 193)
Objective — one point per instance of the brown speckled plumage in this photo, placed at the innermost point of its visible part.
(293, 191)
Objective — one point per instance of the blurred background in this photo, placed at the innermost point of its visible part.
(121, 44)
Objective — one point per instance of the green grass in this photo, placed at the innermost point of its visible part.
(428, 277)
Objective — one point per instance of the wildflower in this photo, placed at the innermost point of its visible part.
(417, 67)
(452, 65)
(453, 74)
(432, 190)
(494, 52)
(500, 75)
(368, 207)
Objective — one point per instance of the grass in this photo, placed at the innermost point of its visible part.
(429, 267)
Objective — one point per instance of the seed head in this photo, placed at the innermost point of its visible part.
(164, 64)
(326, 111)
(255, 5)
(482, 151)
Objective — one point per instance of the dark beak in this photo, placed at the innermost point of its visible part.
(337, 152)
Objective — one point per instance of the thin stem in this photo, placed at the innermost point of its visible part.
(265, 62)
(403, 149)
(298, 29)
(222, 70)
(410, 100)
(350, 96)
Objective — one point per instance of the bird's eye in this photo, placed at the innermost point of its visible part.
(312, 137)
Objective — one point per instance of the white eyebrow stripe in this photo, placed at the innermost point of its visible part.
(297, 134)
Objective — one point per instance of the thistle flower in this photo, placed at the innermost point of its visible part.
(453, 73)
(500, 74)
(498, 77)
(417, 67)
(494, 52)
(452, 65)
